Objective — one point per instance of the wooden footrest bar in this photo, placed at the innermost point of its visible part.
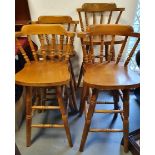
(45, 107)
(100, 102)
(108, 111)
(47, 126)
(53, 93)
(105, 130)
(48, 99)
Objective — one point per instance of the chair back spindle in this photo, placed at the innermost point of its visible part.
(101, 49)
(32, 48)
(111, 48)
(132, 52)
(43, 50)
(121, 50)
(19, 46)
(68, 23)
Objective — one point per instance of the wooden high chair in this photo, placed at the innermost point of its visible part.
(98, 13)
(50, 71)
(111, 75)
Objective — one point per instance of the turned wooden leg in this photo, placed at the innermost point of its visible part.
(126, 118)
(80, 76)
(43, 97)
(88, 118)
(116, 100)
(64, 114)
(72, 73)
(68, 99)
(38, 96)
(28, 115)
(73, 95)
(84, 95)
(81, 69)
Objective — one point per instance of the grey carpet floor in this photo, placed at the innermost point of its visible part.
(54, 141)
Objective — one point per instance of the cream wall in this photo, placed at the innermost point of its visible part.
(68, 7)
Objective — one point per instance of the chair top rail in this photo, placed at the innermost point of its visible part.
(56, 20)
(106, 29)
(57, 29)
(99, 7)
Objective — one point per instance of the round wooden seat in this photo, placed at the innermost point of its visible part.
(49, 73)
(111, 76)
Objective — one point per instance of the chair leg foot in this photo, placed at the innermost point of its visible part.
(72, 74)
(84, 135)
(126, 120)
(28, 115)
(73, 95)
(88, 119)
(80, 76)
(83, 98)
(64, 115)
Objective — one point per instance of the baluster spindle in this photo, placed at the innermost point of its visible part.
(121, 50)
(91, 54)
(68, 29)
(86, 17)
(47, 40)
(43, 51)
(61, 46)
(118, 18)
(111, 49)
(81, 21)
(52, 53)
(68, 49)
(94, 18)
(101, 49)
(85, 55)
(132, 52)
(110, 15)
(101, 18)
(32, 48)
(22, 51)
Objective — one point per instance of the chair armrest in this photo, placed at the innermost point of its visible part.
(34, 22)
(18, 34)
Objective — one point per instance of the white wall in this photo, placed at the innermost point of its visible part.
(68, 7)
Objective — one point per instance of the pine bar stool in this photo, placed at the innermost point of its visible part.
(111, 75)
(46, 73)
(98, 13)
(70, 25)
